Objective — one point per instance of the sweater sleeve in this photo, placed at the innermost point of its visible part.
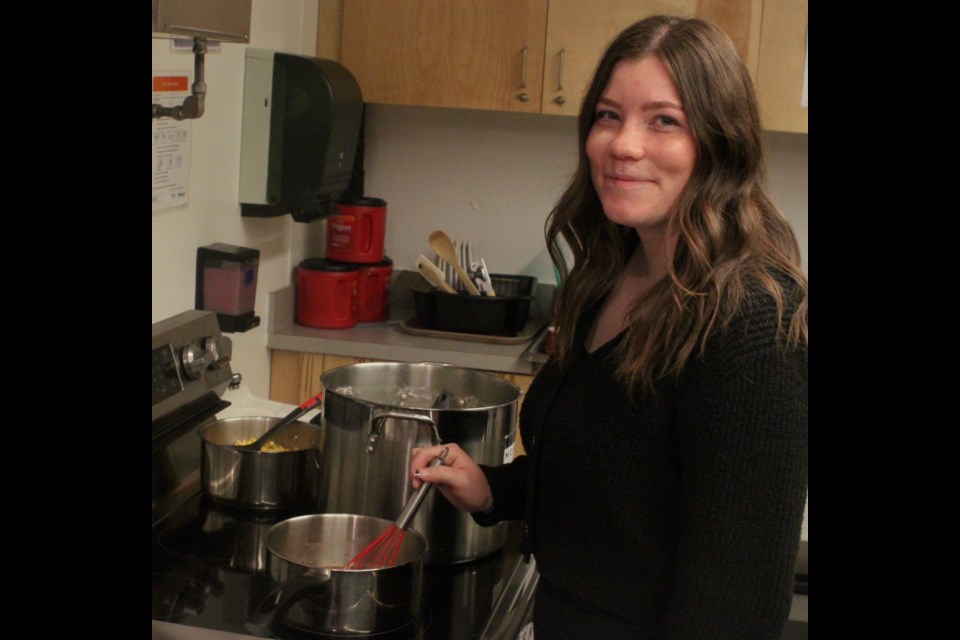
(507, 483)
(742, 437)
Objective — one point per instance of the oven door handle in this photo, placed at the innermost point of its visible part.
(262, 621)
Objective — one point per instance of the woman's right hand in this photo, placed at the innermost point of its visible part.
(459, 478)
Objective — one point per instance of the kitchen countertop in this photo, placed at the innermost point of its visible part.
(387, 341)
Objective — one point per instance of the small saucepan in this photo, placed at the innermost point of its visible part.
(260, 479)
(312, 591)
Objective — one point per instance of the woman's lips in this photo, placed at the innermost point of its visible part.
(625, 180)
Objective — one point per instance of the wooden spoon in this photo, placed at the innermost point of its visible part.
(441, 244)
(432, 274)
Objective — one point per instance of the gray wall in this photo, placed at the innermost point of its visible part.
(492, 178)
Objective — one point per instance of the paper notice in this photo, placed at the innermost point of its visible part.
(171, 142)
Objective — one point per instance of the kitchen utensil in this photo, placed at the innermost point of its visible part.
(284, 422)
(444, 268)
(310, 590)
(380, 401)
(462, 249)
(484, 283)
(449, 273)
(432, 274)
(383, 551)
(443, 247)
(465, 251)
(442, 401)
(458, 248)
(259, 479)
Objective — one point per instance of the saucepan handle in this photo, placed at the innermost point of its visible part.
(376, 427)
(262, 621)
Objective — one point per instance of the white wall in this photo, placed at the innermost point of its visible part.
(213, 212)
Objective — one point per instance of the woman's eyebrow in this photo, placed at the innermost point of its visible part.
(656, 104)
(609, 102)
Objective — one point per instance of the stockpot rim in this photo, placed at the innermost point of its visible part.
(495, 379)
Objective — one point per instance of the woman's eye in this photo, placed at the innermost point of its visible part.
(666, 121)
(606, 116)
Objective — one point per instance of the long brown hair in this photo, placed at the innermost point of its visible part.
(730, 234)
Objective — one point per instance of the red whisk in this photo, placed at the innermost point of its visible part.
(383, 551)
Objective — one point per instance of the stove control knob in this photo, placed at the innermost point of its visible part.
(195, 360)
(220, 347)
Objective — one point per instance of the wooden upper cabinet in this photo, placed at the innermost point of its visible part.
(783, 51)
(537, 56)
(578, 32)
(474, 54)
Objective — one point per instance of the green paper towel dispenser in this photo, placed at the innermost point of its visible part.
(301, 125)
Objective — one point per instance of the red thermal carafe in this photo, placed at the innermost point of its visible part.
(356, 233)
(326, 294)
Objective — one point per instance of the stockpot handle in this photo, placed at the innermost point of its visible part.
(376, 428)
(262, 621)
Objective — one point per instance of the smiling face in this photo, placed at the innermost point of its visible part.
(640, 146)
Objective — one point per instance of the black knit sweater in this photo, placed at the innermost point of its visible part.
(680, 516)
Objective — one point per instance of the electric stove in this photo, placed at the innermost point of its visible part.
(209, 559)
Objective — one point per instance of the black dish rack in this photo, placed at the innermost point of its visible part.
(503, 314)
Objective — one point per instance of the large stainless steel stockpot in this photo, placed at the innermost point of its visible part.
(375, 414)
(260, 479)
(310, 589)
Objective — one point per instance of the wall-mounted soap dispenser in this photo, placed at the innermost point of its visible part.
(227, 285)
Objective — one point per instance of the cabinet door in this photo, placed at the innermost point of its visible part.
(474, 54)
(295, 376)
(578, 32)
(783, 56)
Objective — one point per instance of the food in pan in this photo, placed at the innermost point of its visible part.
(270, 447)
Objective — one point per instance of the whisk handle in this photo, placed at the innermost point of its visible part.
(410, 509)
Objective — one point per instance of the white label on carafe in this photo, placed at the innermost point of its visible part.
(508, 454)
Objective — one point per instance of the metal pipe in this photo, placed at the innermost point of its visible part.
(192, 106)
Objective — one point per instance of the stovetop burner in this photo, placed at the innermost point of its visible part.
(175, 597)
(225, 536)
(415, 629)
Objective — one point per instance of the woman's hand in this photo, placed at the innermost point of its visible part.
(459, 478)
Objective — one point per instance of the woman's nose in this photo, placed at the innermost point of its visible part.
(629, 142)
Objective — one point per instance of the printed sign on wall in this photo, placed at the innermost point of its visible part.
(171, 142)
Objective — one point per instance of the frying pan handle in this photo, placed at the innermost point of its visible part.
(262, 621)
(376, 428)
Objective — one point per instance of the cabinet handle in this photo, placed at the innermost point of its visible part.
(523, 68)
(560, 72)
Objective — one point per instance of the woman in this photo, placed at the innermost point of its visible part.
(665, 473)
